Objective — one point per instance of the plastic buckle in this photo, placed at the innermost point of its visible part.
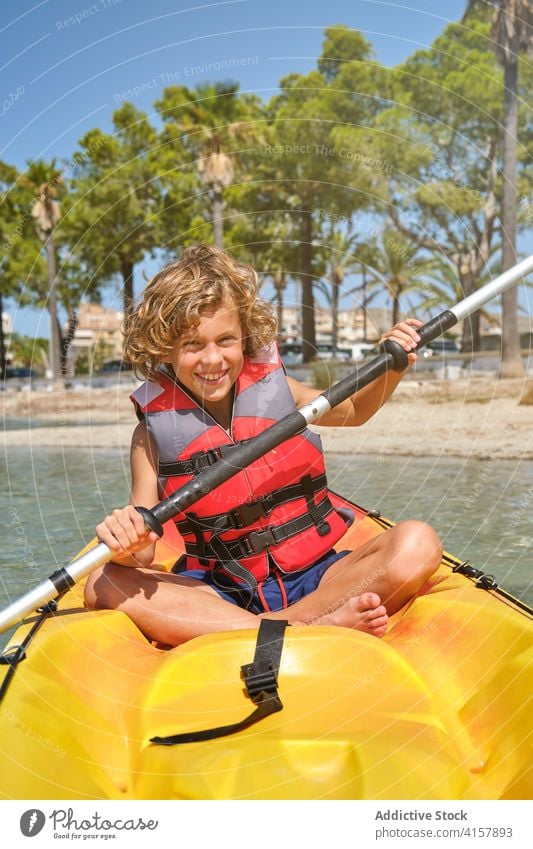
(213, 456)
(259, 540)
(251, 512)
(259, 681)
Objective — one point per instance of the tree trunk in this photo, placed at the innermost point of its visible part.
(127, 276)
(511, 363)
(218, 223)
(279, 285)
(471, 337)
(2, 341)
(365, 316)
(67, 365)
(395, 306)
(306, 276)
(55, 335)
(336, 283)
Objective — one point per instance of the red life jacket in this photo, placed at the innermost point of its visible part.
(277, 506)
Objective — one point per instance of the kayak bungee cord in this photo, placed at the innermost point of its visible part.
(392, 358)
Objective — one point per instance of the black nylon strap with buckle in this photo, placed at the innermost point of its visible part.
(257, 541)
(307, 485)
(197, 462)
(261, 683)
(249, 512)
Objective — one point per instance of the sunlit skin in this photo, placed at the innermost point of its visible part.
(171, 609)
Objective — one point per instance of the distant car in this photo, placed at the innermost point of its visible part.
(114, 367)
(440, 348)
(363, 349)
(292, 352)
(20, 372)
(325, 351)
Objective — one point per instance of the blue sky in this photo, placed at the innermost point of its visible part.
(67, 64)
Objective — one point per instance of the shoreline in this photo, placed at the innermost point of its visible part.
(477, 418)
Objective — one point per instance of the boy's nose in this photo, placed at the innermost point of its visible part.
(211, 353)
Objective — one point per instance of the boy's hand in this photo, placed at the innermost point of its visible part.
(124, 530)
(404, 333)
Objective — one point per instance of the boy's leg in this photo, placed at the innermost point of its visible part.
(166, 608)
(376, 579)
(357, 591)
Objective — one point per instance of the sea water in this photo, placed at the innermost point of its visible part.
(53, 498)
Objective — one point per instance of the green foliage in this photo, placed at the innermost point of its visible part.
(324, 373)
(90, 360)
(419, 146)
(27, 351)
(112, 213)
(207, 150)
(342, 45)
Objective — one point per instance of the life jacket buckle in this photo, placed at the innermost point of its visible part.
(259, 540)
(212, 456)
(251, 511)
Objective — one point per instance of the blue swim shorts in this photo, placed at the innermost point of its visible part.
(277, 592)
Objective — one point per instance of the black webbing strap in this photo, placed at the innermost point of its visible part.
(250, 511)
(261, 683)
(198, 461)
(322, 527)
(15, 654)
(255, 542)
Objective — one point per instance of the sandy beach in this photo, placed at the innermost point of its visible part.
(472, 417)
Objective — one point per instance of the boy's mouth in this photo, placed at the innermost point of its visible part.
(212, 379)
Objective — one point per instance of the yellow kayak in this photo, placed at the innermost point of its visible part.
(436, 709)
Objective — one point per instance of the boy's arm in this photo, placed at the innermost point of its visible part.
(124, 528)
(362, 405)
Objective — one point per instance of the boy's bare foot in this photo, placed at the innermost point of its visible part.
(363, 613)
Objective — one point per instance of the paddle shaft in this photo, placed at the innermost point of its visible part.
(393, 357)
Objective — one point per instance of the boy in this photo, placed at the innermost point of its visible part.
(261, 544)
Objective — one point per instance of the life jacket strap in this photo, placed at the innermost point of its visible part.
(197, 462)
(307, 485)
(248, 513)
(261, 683)
(257, 541)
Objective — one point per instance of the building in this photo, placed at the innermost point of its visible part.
(98, 326)
(352, 325)
(7, 324)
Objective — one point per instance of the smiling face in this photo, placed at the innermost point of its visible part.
(208, 359)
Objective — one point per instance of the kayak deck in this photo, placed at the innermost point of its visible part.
(436, 709)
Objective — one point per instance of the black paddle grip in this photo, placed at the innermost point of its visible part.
(150, 520)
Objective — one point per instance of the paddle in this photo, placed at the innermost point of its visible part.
(393, 357)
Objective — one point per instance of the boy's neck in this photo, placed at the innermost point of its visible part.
(221, 411)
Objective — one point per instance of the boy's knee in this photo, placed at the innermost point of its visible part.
(98, 587)
(421, 542)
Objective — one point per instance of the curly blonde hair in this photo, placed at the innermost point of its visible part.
(175, 299)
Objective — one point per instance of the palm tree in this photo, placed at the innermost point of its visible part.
(397, 266)
(445, 285)
(216, 170)
(341, 261)
(46, 214)
(207, 120)
(512, 31)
